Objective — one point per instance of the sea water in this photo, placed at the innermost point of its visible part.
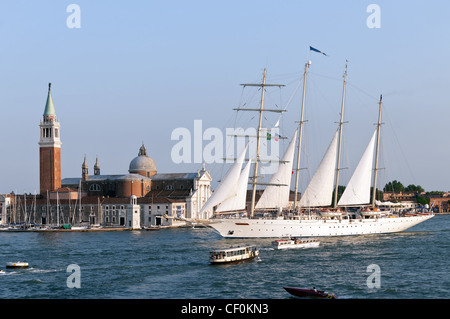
(173, 264)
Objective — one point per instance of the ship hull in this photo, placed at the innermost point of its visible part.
(275, 228)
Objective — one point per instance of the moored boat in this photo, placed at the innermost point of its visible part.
(79, 227)
(17, 264)
(151, 227)
(310, 293)
(233, 254)
(295, 242)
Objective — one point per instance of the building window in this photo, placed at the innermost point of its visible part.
(94, 188)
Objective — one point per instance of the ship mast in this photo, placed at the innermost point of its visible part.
(340, 138)
(374, 192)
(258, 139)
(297, 171)
(261, 109)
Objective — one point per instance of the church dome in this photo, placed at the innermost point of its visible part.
(142, 164)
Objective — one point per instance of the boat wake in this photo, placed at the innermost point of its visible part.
(43, 271)
(29, 270)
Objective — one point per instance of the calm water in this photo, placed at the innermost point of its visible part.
(173, 263)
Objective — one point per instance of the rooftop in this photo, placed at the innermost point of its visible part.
(172, 176)
(76, 180)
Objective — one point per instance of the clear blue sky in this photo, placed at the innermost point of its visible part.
(136, 70)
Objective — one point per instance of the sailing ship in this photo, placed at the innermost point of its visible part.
(326, 218)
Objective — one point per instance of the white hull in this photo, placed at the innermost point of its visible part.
(273, 228)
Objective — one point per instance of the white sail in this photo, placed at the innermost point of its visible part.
(238, 201)
(357, 191)
(277, 195)
(227, 188)
(320, 189)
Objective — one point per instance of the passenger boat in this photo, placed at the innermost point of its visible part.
(233, 254)
(310, 293)
(17, 264)
(295, 243)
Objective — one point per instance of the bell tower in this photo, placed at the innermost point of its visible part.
(96, 167)
(84, 170)
(49, 149)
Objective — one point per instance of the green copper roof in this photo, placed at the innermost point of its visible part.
(49, 107)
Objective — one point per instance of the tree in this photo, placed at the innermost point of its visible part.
(422, 200)
(414, 188)
(394, 186)
(341, 190)
(378, 194)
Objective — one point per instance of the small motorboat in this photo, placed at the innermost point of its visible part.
(17, 264)
(309, 293)
(295, 243)
(151, 227)
(233, 254)
(2, 271)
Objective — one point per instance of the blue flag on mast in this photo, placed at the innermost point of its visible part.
(315, 50)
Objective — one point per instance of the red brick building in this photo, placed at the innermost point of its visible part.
(440, 201)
